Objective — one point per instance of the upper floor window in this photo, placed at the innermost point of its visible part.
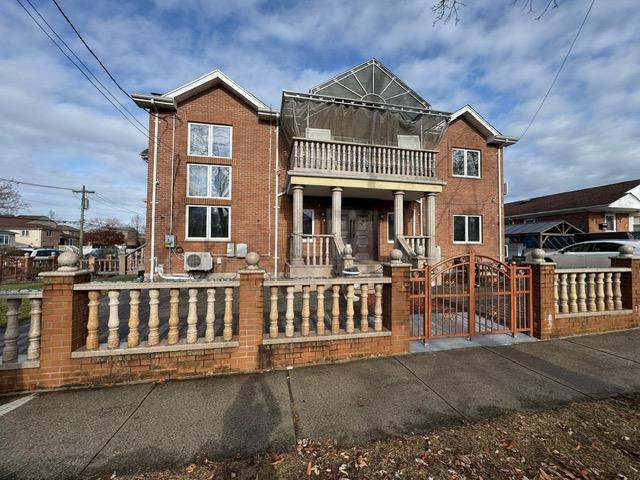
(466, 163)
(210, 181)
(209, 140)
(25, 233)
(467, 229)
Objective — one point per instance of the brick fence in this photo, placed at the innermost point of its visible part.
(169, 330)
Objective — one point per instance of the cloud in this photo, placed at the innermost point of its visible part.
(55, 128)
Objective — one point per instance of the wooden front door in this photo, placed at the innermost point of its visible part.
(357, 230)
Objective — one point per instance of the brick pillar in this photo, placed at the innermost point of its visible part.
(629, 283)
(64, 317)
(542, 298)
(396, 305)
(251, 316)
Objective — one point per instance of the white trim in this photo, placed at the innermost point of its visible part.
(466, 150)
(466, 229)
(615, 220)
(392, 232)
(632, 217)
(490, 132)
(211, 79)
(209, 167)
(209, 140)
(208, 226)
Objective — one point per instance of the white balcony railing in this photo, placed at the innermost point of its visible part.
(333, 156)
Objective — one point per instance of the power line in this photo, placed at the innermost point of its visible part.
(80, 70)
(35, 184)
(89, 48)
(86, 67)
(110, 203)
(584, 20)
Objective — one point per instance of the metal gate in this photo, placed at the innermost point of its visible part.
(470, 295)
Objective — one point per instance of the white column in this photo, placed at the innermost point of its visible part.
(296, 244)
(431, 227)
(336, 211)
(398, 214)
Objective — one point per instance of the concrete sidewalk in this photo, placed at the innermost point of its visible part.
(86, 433)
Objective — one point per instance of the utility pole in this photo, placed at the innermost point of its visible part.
(84, 205)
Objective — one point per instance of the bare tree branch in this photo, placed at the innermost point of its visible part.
(445, 10)
(10, 199)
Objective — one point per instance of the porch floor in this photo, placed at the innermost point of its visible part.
(495, 340)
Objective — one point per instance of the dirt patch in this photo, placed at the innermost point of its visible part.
(585, 440)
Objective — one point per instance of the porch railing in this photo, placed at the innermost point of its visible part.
(586, 290)
(317, 249)
(334, 156)
(134, 260)
(323, 307)
(16, 337)
(162, 323)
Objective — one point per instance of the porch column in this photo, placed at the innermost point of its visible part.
(296, 244)
(336, 211)
(398, 214)
(431, 227)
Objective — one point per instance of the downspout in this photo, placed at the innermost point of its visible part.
(173, 187)
(500, 206)
(277, 200)
(154, 191)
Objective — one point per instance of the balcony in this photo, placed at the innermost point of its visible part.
(362, 161)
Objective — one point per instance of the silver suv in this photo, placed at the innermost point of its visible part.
(594, 253)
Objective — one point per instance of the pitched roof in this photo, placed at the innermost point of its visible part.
(371, 81)
(27, 222)
(492, 134)
(603, 195)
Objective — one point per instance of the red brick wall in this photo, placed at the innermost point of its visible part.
(468, 196)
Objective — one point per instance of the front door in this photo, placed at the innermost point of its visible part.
(357, 230)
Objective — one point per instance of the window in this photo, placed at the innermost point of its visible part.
(635, 223)
(466, 163)
(25, 233)
(308, 217)
(391, 227)
(4, 239)
(208, 223)
(209, 140)
(48, 233)
(610, 220)
(606, 247)
(211, 181)
(467, 229)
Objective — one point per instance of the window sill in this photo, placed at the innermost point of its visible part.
(466, 176)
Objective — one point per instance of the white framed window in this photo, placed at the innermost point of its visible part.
(208, 223)
(207, 140)
(610, 220)
(48, 233)
(4, 239)
(308, 221)
(634, 223)
(208, 181)
(467, 229)
(391, 227)
(25, 233)
(465, 163)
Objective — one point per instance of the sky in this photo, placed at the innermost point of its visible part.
(57, 129)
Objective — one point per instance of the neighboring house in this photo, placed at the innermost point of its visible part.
(360, 160)
(7, 239)
(607, 208)
(131, 236)
(37, 231)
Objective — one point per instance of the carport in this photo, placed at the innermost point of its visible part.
(550, 235)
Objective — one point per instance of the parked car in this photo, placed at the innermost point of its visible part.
(594, 253)
(44, 253)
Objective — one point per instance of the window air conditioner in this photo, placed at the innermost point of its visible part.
(201, 261)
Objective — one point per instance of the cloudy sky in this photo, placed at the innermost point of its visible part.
(56, 129)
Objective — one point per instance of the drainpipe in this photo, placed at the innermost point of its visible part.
(154, 191)
(500, 206)
(173, 147)
(277, 202)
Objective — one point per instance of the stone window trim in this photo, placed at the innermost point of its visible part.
(210, 140)
(210, 167)
(207, 238)
(466, 163)
(466, 241)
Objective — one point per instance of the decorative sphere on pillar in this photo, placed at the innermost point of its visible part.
(68, 261)
(420, 250)
(252, 260)
(395, 256)
(625, 251)
(537, 255)
(348, 251)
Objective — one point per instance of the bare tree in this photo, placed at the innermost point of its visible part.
(137, 222)
(446, 10)
(105, 222)
(10, 199)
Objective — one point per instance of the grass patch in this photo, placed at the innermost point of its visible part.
(585, 440)
(25, 306)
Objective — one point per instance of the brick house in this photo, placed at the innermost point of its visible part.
(606, 208)
(38, 231)
(359, 165)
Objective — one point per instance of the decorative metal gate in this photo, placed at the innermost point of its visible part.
(470, 295)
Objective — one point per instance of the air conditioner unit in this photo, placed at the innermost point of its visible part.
(198, 261)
